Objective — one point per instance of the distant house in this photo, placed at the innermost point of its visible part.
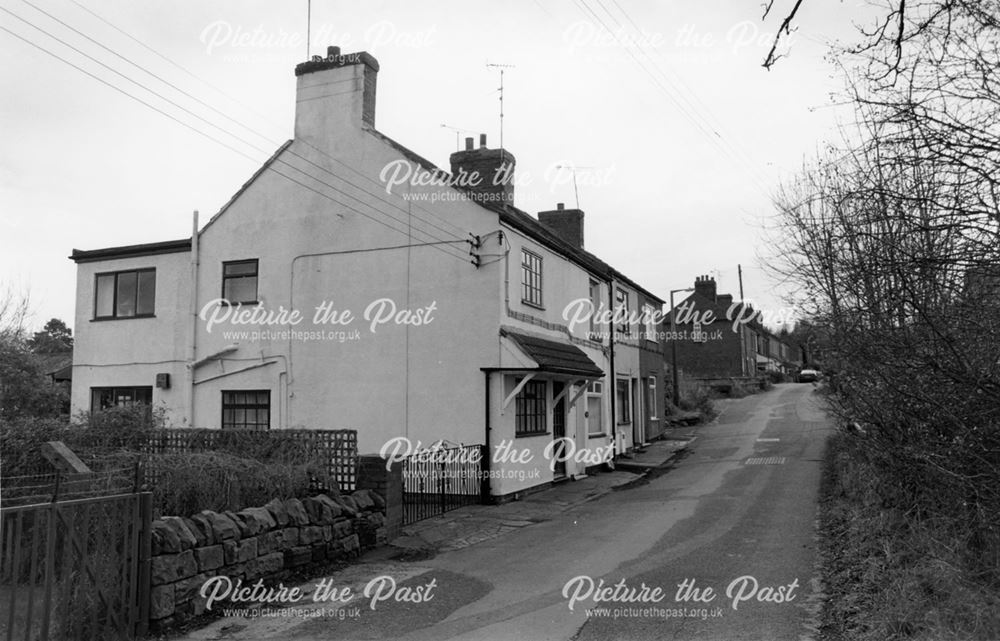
(457, 299)
(718, 337)
(58, 366)
(774, 354)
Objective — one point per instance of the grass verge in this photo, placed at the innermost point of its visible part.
(889, 575)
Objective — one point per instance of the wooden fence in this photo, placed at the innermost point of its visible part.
(75, 570)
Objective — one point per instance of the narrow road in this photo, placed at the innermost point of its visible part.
(736, 515)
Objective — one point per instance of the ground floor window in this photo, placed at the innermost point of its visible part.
(595, 409)
(246, 410)
(623, 401)
(102, 398)
(530, 413)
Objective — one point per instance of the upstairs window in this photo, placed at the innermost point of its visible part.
(649, 318)
(531, 278)
(621, 303)
(595, 302)
(125, 294)
(698, 334)
(239, 282)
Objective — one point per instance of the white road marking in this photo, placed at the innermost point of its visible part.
(766, 460)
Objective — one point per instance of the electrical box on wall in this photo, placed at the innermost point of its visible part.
(163, 381)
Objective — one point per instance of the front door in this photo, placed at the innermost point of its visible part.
(638, 433)
(559, 430)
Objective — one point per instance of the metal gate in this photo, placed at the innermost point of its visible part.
(442, 480)
(76, 569)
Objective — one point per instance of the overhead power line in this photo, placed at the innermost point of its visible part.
(409, 225)
(686, 94)
(220, 142)
(226, 116)
(265, 118)
(663, 84)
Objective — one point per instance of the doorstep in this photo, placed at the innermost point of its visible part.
(653, 456)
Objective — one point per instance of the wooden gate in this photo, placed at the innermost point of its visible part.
(444, 480)
(76, 569)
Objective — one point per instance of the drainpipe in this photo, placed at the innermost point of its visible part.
(506, 274)
(193, 351)
(613, 383)
(485, 489)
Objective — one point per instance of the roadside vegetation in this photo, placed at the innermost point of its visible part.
(695, 406)
(893, 238)
(240, 473)
(892, 573)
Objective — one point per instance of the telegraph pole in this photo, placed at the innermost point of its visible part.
(743, 349)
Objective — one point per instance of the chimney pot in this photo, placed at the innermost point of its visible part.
(469, 143)
(560, 206)
(482, 141)
(332, 51)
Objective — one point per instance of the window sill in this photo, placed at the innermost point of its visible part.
(601, 435)
(234, 304)
(101, 319)
(532, 305)
(532, 434)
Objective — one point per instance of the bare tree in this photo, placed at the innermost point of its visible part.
(894, 239)
(15, 309)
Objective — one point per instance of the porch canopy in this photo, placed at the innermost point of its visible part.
(532, 355)
(554, 357)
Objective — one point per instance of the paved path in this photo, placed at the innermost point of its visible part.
(742, 503)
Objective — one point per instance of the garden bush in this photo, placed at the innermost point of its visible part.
(218, 481)
(697, 398)
(20, 440)
(229, 471)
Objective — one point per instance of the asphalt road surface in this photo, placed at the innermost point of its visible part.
(720, 547)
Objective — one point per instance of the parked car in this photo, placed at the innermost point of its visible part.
(808, 376)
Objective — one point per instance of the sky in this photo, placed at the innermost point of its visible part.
(678, 135)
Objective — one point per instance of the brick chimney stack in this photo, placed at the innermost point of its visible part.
(705, 286)
(567, 224)
(493, 169)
